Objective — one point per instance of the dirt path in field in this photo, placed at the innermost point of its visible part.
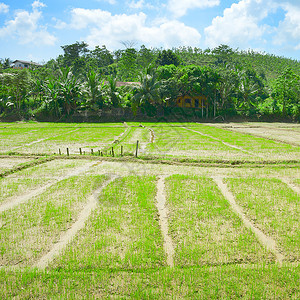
(224, 143)
(14, 201)
(143, 146)
(266, 241)
(66, 238)
(45, 139)
(152, 138)
(151, 141)
(119, 137)
(291, 185)
(163, 220)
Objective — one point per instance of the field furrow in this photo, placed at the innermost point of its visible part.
(204, 228)
(67, 237)
(178, 142)
(266, 241)
(204, 211)
(274, 208)
(262, 147)
(84, 138)
(27, 181)
(163, 221)
(122, 233)
(129, 141)
(30, 230)
(285, 133)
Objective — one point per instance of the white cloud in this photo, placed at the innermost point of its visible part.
(180, 7)
(288, 2)
(136, 4)
(112, 2)
(170, 34)
(240, 24)
(288, 31)
(82, 18)
(37, 4)
(26, 29)
(4, 8)
(108, 29)
(140, 4)
(59, 24)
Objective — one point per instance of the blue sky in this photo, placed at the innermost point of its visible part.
(35, 30)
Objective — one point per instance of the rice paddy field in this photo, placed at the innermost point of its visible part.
(205, 211)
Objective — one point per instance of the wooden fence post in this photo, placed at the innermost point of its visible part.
(121, 150)
(68, 153)
(80, 151)
(137, 147)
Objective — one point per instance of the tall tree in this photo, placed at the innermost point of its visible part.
(18, 86)
(5, 63)
(223, 54)
(127, 66)
(73, 52)
(287, 90)
(167, 57)
(102, 56)
(145, 57)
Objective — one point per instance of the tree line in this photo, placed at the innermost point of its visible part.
(235, 83)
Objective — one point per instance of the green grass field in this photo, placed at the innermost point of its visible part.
(158, 226)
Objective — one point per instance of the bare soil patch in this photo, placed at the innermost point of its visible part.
(163, 220)
(9, 163)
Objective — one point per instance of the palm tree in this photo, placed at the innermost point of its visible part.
(247, 90)
(112, 91)
(148, 91)
(227, 87)
(94, 90)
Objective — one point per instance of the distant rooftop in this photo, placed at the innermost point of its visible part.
(24, 62)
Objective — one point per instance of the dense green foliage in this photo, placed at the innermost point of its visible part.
(236, 83)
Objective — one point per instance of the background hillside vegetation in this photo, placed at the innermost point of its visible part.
(236, 83)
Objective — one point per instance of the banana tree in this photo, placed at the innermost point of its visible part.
(94, 90)
(69, 90)
(112, 91)
(248, 90)
(52, 96)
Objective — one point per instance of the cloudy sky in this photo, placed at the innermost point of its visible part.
(35, 30)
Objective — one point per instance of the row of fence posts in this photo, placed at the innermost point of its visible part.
(100, 153)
